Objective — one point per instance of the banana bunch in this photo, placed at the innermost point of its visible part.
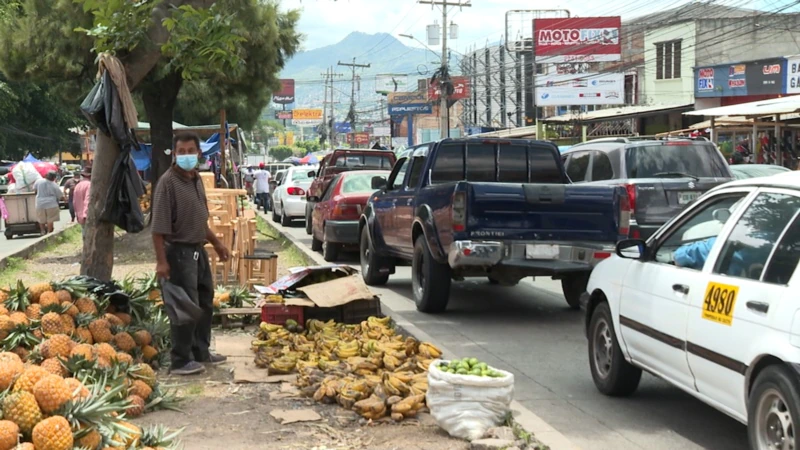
(372, 408)
(328, 390)
(394, 385)
(346, 350)
(269, 327)
(353, 391)
(273, 298)
(282, 365)
(391, 362)
(317, 326)
(419, 384)
(429, 350)
(407, 407)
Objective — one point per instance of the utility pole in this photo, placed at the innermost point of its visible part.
(330, 132)
(444, 81)
(352, 114)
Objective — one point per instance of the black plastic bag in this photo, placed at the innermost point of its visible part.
(122, 203)
(93, 106)
(181, 310)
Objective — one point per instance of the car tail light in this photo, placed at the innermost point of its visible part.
(602, 255)
(624, 215)
(346, 211)
(295, 191)
(631, 189)
(459, 211)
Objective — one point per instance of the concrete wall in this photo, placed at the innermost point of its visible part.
(730, 40)
(678, 91)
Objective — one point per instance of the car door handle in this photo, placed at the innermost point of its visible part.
(681, 288)
(758, 306)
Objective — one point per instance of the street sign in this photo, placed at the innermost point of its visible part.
(410, 108)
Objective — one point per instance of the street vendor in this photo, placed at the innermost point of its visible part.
(48, 195)
(180, 231)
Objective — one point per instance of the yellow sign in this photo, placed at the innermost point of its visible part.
(719, 302)
(306, 114)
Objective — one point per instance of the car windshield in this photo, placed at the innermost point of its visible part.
(381, 161)
(664, 161)
(300, 175)
(359, 182)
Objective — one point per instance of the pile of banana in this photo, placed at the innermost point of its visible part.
(364, 367)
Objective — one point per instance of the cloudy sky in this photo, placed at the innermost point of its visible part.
(326, 22)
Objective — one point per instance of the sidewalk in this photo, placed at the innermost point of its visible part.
(19, 243)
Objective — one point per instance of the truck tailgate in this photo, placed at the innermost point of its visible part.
(553, 212)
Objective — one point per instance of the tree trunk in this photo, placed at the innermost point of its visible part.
(98, 242)
(159, 99)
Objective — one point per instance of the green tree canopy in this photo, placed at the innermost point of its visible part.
(281, 152)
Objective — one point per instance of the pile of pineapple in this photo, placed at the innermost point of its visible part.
(146, 199)
(232, 297)
(73, 369)
(367, 367)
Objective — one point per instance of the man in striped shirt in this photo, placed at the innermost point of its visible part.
(180, 231)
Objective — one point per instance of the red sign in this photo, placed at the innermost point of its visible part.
(771, 69)
(283, 115)
(737, 83)
(460, 89)
(358, 138)
(706, 73)
(286, 94)
(577, 39)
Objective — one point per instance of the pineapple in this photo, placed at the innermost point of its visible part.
(6, 326)
(73, 287)
(124, 341)
(101, 330)
(29, 377)
(17, 298)
(92, 439)
(58, 345)
(48, 298)
(149, 353)
(3, 309)
(84, 335)
(140, 388)
(106, 351)
(86, 306)
(132, 432)
(142, 338)
(51, 324)
(124, 317)
(67, 324)
(103, 362)
(19, 318)
(9, 434)
(84, 351)
(159, 437)
(154, 295)
(113, 320)
(51, 393)
(10, 368)
(123, 357)
(4, 293)
(22, 352)
(33, 311)
(137, 406)
(70, 309)
(54, 366)
(53, 433)
(35, 291)
(63, 296)
(22, 409)
(77, 389)
(145, 373)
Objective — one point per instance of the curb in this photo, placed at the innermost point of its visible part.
(532, 423)
(35, 247)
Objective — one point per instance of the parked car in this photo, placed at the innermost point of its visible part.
(63, 203)
(497, 208)
(344, 160)
(289, 196)
(336, 213)
(742, 171)
(714, 313)
(661, 176)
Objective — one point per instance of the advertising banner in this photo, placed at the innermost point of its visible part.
(358, 138)
(306, 122)
(381, 131)
(307, 114)
(586, 89)
(386, 83)
(283, 115)
(792, 82)
(577, 39)
(460, 89)
(286, 94)
(409, 108)
(408, 97)
(764, 77)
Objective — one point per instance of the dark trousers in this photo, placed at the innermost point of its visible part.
(189, 269)
(71, 209)
(262, 200)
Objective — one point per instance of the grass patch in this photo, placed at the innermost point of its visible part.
(194, 390)
(523, 435)
(288, 252)
(8, 275)
(65, 243)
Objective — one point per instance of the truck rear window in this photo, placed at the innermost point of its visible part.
(363, 161)
(487, 162)
(661, 160)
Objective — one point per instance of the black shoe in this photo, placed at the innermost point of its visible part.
(214, 359)
(190, 368)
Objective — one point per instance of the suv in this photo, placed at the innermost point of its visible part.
(343, 160)
(661, 176)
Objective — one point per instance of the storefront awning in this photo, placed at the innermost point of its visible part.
(625, 112)
(761, 108)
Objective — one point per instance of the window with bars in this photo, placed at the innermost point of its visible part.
(668, 60)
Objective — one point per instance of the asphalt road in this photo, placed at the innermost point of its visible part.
(9, 247)
(529, 330)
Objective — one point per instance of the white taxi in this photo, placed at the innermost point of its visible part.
(711, 304)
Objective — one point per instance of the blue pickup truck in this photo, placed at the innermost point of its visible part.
(497, 208)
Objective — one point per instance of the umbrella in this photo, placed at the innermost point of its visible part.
(41, 167)
(309, 159)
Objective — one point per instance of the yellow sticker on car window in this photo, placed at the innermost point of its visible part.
(719, 301)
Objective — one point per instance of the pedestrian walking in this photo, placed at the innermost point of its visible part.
(48, 194)
(69, 191)
(180, 231)
(81, 197)
(262, 177)
(249, 179)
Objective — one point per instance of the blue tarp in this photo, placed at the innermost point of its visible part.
(141, 157)
(30, 159)
(211, 146)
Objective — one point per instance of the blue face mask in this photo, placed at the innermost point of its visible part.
(186, 162)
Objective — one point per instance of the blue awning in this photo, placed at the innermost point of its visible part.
(141, 157)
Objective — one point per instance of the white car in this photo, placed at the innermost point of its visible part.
(717, 314)
(289, 198)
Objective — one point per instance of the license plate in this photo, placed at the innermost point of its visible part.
(541, 251)
(684, 198)
(719, 302)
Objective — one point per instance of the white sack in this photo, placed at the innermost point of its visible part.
(466, 405)
(25, 175)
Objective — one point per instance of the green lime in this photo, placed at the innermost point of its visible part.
(462, 372)
(473, 362)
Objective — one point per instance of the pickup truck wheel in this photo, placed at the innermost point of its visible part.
(612, 374)
(370, 262)
(330, 252)
(430, 280)
(572, 287)
(772, 410)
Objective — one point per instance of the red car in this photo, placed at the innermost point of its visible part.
(336, 212)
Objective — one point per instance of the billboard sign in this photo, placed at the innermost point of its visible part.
(307, 114)
(577, 39)
(286, 94)
(793, 75)
(586, 89)
(381, 131)
(386, 83)
(306, 122)
(408, 97)
(764, 77)
(460, 89)
(358, 138)
(283, 115)
(409, 108)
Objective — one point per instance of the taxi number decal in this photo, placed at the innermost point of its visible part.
(718, 303)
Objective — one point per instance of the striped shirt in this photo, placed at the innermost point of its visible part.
(180, 210)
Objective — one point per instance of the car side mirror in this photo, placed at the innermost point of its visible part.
(378, 183)
(721, 215)
(631, 248)
(311, 174)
